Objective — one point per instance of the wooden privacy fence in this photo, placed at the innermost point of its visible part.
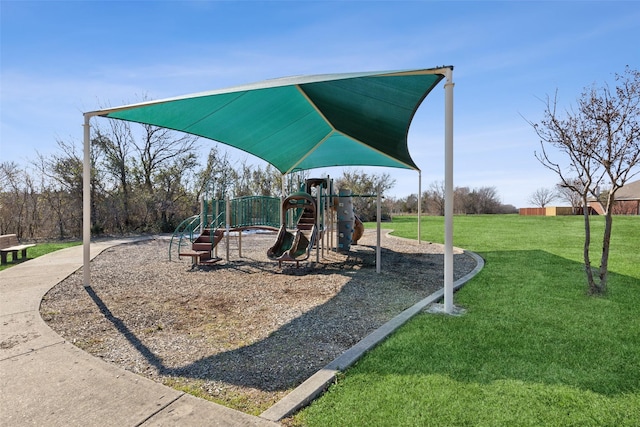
(548, 211)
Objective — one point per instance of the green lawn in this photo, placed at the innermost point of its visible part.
(39, 250)
(533, 349)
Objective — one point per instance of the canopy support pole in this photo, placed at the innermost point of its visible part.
(419, 207)
(203, 215)
(86, 203)
(282, 197)
(228, 224)
(448, 192)
(378, 227)
(318, 219)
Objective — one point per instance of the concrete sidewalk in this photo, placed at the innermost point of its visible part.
(45, 380)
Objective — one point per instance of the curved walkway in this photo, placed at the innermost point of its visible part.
(45, 380)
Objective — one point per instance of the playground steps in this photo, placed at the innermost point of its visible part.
(202, 247)
(210, 261)
(307, 220)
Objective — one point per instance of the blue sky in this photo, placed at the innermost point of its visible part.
(62, 58)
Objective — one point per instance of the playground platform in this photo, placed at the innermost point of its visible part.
(45, 380)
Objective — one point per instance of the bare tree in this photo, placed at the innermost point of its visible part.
(268, 181)
(295, 180)
(364, 186)
(460, 195)
(218, 176)
(601, 140)
(61, 186)
(157, 148)
(482, 200)
(116, 145)
(542, 197)
(156, 151)
(435, 198)
(569, 195)
(13, 199)
(170, 190)
(489, 200)
(252, 180)
(410, 203)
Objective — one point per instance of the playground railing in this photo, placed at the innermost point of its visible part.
(188, 226)
(248, 211)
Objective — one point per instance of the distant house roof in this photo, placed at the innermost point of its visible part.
(630, 191)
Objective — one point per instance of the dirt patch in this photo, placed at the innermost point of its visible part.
(246, 332)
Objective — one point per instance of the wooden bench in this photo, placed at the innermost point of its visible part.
(9, 244)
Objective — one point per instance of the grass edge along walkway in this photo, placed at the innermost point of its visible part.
(533, 348)
(38, 250)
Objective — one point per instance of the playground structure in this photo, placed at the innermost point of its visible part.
(303, 220)
(354, 129)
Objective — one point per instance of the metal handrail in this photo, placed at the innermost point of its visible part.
(188, 224)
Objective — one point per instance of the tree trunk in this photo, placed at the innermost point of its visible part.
(593, 287)
(125, 205)
(604, 261)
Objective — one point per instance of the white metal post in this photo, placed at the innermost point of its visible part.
(419, 206)
(318, 219)
(228, 223)
(325, 219)
(448, 192)
(203, 217)
(86, 204)
(330, 215)
(282, 197)
(378, 222)
(215, 225)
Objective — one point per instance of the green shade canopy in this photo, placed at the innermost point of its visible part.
(302, 122)
(359, 119)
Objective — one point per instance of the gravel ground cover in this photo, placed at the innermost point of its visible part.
(245, 332)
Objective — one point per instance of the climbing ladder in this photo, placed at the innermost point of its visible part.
(307, 219)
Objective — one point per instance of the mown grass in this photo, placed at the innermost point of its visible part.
(532, 349)
(39, 250)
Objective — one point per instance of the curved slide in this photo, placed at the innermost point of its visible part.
(296, 245)
(358, 230)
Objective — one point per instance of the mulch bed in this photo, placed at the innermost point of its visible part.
(245, 332)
